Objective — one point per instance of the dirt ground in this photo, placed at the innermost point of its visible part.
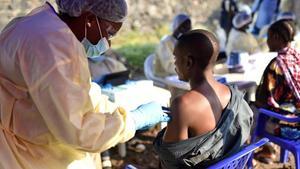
(148, 159)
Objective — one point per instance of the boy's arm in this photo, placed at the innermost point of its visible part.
(192, 115)
(177, 129)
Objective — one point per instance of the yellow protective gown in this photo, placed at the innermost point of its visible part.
(51, 115)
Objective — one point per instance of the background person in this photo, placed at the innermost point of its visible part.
(263, 34)
(164, 58)
(266, 12)
(228, 9)
(52, 116)
(239, 40)
(279, 88)
(211, 121)
(291, 17)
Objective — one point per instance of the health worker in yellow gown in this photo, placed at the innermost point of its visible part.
(51, 115)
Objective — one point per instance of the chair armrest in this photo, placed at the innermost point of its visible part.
(279, 116)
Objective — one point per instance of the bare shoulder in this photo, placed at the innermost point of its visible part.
(201, 111)
(188, 104)
(195, 113)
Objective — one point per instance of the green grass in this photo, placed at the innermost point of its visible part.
(135, 46)
(136, 54)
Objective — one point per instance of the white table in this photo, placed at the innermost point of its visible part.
(232, 78)
(254, 66)
(137, 93)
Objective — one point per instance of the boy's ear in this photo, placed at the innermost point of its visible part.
(189, 62)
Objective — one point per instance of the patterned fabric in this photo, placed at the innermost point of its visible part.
(274, 91)
(279, 92)
(289, 61)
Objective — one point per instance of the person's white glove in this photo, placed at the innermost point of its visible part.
(148, 115)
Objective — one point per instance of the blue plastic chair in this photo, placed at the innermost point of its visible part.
(285, 144)
(236, 161)
(240, 159)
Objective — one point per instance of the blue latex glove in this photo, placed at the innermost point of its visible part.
(148, 115)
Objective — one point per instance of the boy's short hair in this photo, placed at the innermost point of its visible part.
(201, 44)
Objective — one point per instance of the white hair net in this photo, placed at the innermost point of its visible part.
(178, 20)
(241, 19)
(286, 15)
(245, 8)
(111, 10)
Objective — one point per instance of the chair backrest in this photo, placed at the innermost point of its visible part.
(148, 71)
(240, 159)
(280, 116)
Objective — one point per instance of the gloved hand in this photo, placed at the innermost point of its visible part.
(147, 115)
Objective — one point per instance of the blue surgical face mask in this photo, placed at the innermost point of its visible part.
(94, 51)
